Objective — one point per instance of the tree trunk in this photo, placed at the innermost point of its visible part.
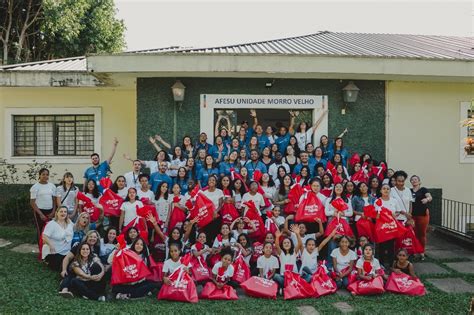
(6, 40)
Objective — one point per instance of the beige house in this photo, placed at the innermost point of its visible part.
(418, 87)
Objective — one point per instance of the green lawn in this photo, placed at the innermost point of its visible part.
(26, 286)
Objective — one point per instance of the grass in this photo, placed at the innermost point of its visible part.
(26, 286)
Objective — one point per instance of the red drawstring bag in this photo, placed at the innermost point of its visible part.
(370, 212)
(365, 227)
(105, 182)
(360, 177)
(203, 209)
(199, 269)
(156, 270)
(387, 227)
(326, 192)
(145, 211)
(296, 287)
(214, 259)
(355, 158)
(339, 204)
(322, 283)
(270, 225)
(89, 207)
(310, 208)
(351, 277)
(111, 202)
(409, 242)
(404, 284)
(257, 251)
(177, 217)
(228, 213)
(294, 195)
(241, 269)
(364, 287)
(260, 288)
(211, 292)
(182, 288)
(253, 215)
(140, 224)
(128, 267)
(341, 226)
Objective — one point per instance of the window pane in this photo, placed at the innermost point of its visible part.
(44, 138)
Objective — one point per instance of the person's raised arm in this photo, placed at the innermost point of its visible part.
(114, 149)
(296, 231)
(189, 228)
(163, 142)
(321, 227)
(288, 218)
(156, 227)
(277, 242)
(121, 219)
(231, 227)
(154, 144)
(252, 225)
(216, 127)
(291, 128)
(326, 240)
(253, 114)
(343, 133)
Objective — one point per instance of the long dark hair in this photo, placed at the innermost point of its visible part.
(114, 186)
(167, 157)
(78, 256)
(178, 241)
(357, 189)
(181, 158)
(308, 177)
(145, 252)
(95, 191)
(136, 196)
(158, 191)
(343, 196)
(282, 191)
(128, 240)
(242, 189)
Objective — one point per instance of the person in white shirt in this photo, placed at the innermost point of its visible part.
(42, 200)
(273, 168)
(129, 208)
(223, 270)
(255, 196)
(177, 161)
(368, 266)
(66, 195)
(267, 264)
(338, 193)
(132, 178)
(302, 229)
(120, 187)
(57, 237)
(309, 256)
(215, 194)
(304, 134)
(287, 253)
(163, 202)
(144, 193)
(171, 264)
(343, 261)
(403, 195)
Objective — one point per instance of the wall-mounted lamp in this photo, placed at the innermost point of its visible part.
(178, 90)
(350, 92)
(269, 84)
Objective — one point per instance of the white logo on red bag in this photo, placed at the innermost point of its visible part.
(227, 217)
(131, 270)
(405, 282)
(311, 209)
(181, 285)
(389, 226)
(265, 282)
(407, 242)
(327, 284)
(340, 228)
(202, 213)
(364, 284)
(112, 203)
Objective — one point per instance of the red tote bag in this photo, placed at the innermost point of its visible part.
(89, 207)
(257, 251)
(199, 269)
(111, 202)
(241, 270)
(177, 217)
(228, 213)
(322, 283)
(181, 289)
(128, 267)
(260, 288)
(340, 225)
(404, 284)
(364, 287)
(203, 209)
(140, 224)
(156, 270)
(386, 227)
(365, 227)
(252, 214)
(296, 287)
(409, 242)
(294, 195)
(310, 208)
(211, 292)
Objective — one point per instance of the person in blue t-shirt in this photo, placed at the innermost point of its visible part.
(318, 157)
(304, 162)
(219, 150)
(254, 164)
(226, 167)
(157, 178)
(338, 147)
(285, 133)
(99, 170)
(202, 143)
(206, 171)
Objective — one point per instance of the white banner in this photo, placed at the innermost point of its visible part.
(259, 101)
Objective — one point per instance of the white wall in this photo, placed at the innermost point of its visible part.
(423, 135)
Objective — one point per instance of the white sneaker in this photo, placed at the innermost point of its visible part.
(122, 296)
(101, 298)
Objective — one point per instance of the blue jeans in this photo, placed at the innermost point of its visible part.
(280, 279)
(342, 283)
(331, 246)
(306, 274)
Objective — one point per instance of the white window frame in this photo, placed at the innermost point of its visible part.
(8, 133)
(207, 113)
(463, 157)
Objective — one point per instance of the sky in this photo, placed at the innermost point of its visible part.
(192, 23)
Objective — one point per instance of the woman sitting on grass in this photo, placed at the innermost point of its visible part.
(89, 272)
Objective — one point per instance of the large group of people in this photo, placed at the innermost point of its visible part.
(241, 198)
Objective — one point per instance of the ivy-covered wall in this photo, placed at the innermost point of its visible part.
(365, 119)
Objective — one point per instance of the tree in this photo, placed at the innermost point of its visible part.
(46, 29)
